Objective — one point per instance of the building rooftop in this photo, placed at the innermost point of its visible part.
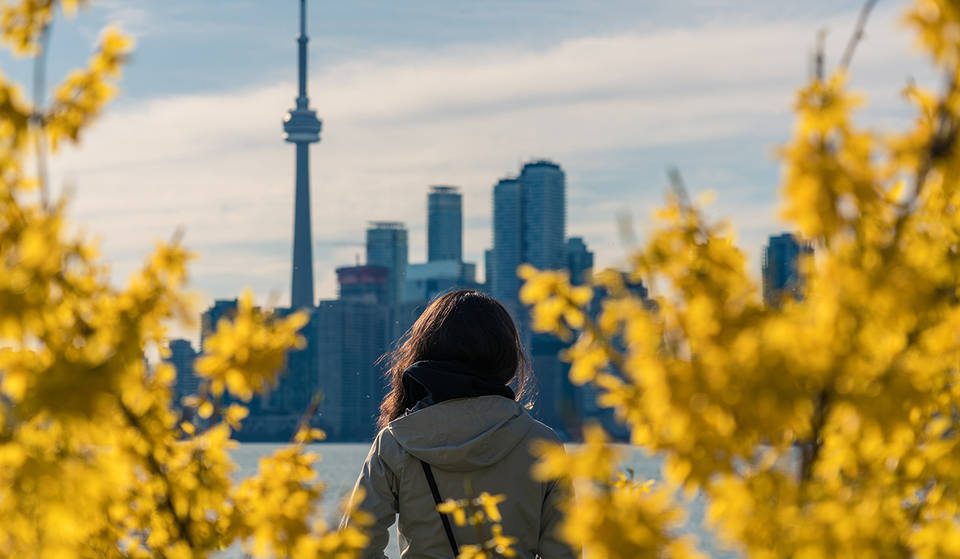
(541, 163)
(180, 344)
(386, 225)
(444, 189)
(347, 275)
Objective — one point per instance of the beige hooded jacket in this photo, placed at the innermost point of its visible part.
(485, 439)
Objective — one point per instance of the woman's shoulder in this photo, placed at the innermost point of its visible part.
(539, 430)
(385, 442)
(386, 451)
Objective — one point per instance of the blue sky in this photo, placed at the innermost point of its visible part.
(439, 92)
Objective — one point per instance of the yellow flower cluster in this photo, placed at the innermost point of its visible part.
(83, 93)
(613, 514)
(94, 460)
(480, 511)
(22, 23)
(246, 353)
(823, 427)
(276, 510)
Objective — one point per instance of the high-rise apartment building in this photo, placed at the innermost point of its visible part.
(781, 275)
(544, 215)
(488, 269)
(444, 224)
(529, 226)
(352, 338)
(181, 358)
(507, 239)
(579, 260)
(387, 248)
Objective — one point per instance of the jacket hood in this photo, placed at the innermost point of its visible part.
(463, 434)
(430, 382)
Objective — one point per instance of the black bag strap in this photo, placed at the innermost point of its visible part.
(437, 499)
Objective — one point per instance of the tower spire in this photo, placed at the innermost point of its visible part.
(303, 18)
(302, 100)
(302, 128)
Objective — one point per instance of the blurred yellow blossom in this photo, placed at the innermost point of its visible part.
(95, 460)
(246, 353)
(822, 427)
(483, 514)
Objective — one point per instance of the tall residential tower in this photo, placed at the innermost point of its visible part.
(444, 224)
(544, 215)
(387, 248)
(507, 251)
(529, 226)
(302, 128)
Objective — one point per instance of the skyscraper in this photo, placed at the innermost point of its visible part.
(579, 259)
(529, 225)
(302, 128)
(444, 224)
(488, 269)
(387, 248)
(780, 273)
(507, 239)
(353, 336)
(181, 357)
(544, 215)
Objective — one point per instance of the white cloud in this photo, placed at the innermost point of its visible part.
(147, 18)
(395, 123)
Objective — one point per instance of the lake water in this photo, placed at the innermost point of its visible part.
(341, 463)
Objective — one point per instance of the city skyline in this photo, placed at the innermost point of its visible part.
(346, 339)
(564, 87)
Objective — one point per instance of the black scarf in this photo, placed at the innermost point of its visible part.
(431, 382)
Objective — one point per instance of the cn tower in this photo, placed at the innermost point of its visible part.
(302, 128)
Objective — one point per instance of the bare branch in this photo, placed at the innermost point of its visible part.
(677, 186)
(810, 449)
(819, 54)
(308, 414)
(39, 94)
(857, 34)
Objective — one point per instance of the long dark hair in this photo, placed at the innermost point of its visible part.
(465, 326)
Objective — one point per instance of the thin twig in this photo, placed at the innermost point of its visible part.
(857, 34)
(810, 451)
(678, 187)
(819, 54)
(39, 95)
(308, 414)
